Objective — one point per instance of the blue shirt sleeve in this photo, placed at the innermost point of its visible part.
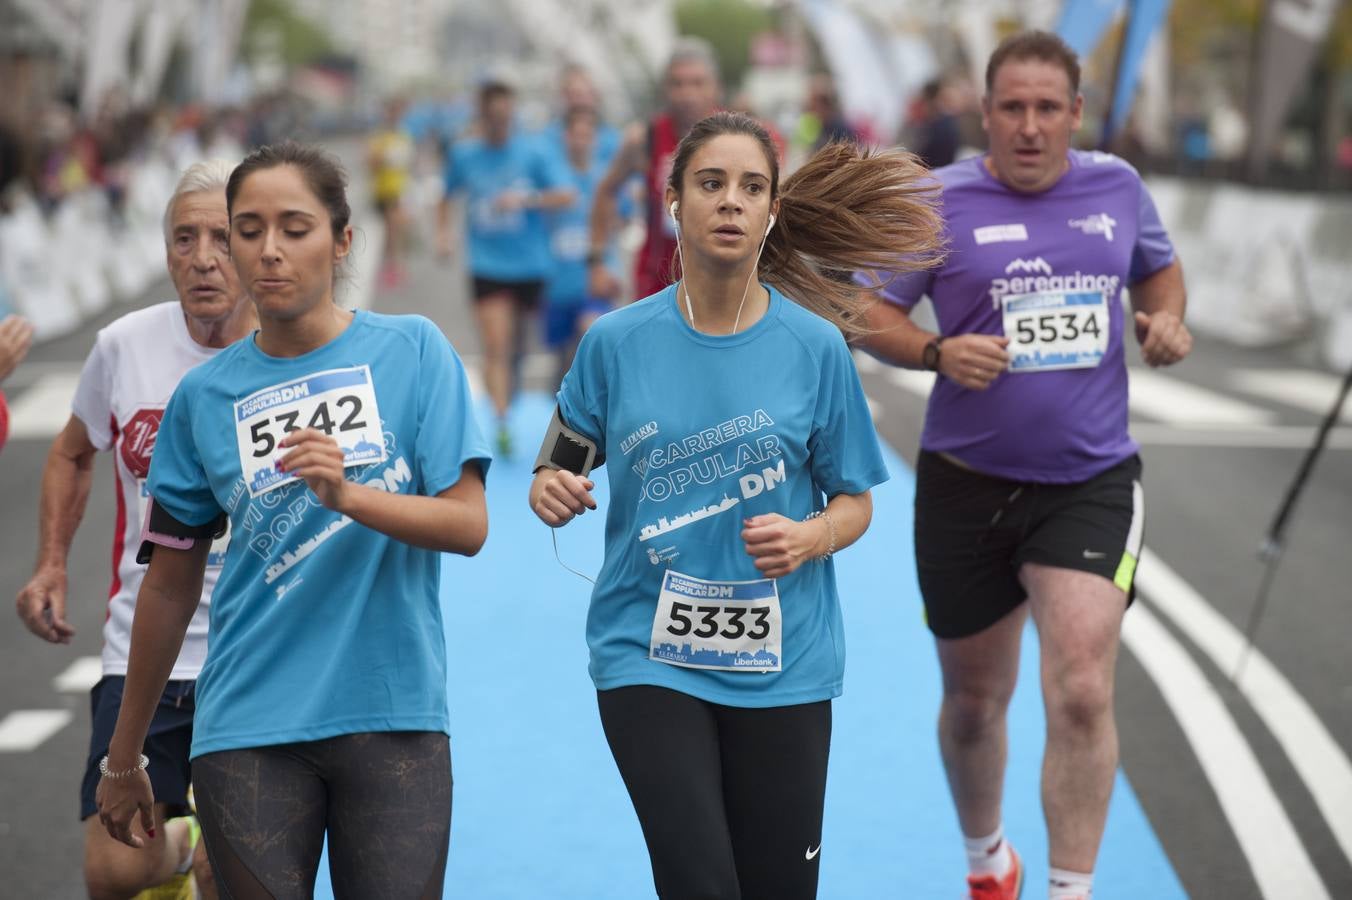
(582, 396)
(548, 170)
(843, 447)
(448, 433)
(177, 479)
(1153, 250)
(453, 175)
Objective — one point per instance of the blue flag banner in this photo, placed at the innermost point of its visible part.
(1084, 21)
(1146, 17)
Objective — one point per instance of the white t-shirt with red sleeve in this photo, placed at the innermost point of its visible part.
(136, 363)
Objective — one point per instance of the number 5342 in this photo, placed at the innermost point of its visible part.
(262, 431)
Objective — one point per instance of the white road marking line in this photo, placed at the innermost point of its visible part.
(43, 409)
(1315, 754)
(80, 676)
(1171, 400)
(25, 729)
(1268, 436)
(913, 380)
(1299, 388)
(1274, 852)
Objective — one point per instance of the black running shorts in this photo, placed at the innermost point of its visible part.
(974, 531)
(526, 294)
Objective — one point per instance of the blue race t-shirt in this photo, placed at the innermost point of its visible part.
(504, 246)
(701, 432)
(570, 237)
(605, 146)
(320, 626)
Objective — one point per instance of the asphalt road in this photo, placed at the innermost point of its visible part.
(1210, 495)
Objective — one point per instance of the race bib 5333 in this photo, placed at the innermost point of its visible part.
(729, 625)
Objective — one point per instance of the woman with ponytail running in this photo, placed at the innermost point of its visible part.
(741, 453)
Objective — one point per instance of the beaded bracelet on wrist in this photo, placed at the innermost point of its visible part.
(830, 532)
(141, 765)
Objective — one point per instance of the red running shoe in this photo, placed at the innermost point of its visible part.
(988, 887)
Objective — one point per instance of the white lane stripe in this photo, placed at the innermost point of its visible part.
(80, 675)
(1279, 862)
(1269, 436)
(912, 380)
(1299, 388)
(25, 729)
(1314, 753)
(1171, 400)
(43, 409)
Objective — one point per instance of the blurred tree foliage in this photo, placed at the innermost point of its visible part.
(729, 25)
(274, 26)
(1338, 52)
(1196, 25)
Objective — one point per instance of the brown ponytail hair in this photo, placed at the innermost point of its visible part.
(847, 208)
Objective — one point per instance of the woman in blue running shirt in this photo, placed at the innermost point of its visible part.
(342, 448)
(740, 453)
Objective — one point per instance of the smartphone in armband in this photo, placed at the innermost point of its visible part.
(564, 448)
(572, 455)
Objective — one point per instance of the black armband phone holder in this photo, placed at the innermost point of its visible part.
(564, 448)
(161, 528)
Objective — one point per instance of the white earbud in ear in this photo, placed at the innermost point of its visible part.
(675, 205)
(770, 224)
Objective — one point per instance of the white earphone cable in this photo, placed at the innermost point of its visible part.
(685, 288)
(554, 535)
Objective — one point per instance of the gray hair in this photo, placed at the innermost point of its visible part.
(200, 177)
(694, 49)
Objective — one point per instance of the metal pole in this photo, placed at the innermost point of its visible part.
(1274, 543)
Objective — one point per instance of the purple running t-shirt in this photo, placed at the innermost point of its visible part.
(1064, 256)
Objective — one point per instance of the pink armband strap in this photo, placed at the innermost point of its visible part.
(162, 529)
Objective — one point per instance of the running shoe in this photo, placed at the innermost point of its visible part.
(180, 887)
(988, 887)
(504, 442)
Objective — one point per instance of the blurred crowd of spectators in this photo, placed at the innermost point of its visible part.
(59, 155)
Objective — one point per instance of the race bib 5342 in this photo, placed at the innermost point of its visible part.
(339, 402)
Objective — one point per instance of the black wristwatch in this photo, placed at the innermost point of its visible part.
(930, 358)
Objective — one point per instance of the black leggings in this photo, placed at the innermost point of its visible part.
(384, 798)
(729, 798)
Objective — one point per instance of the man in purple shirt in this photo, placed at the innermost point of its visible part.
(1027, 483)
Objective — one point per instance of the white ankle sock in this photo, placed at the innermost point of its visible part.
(1066, 885)
(988, 855)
